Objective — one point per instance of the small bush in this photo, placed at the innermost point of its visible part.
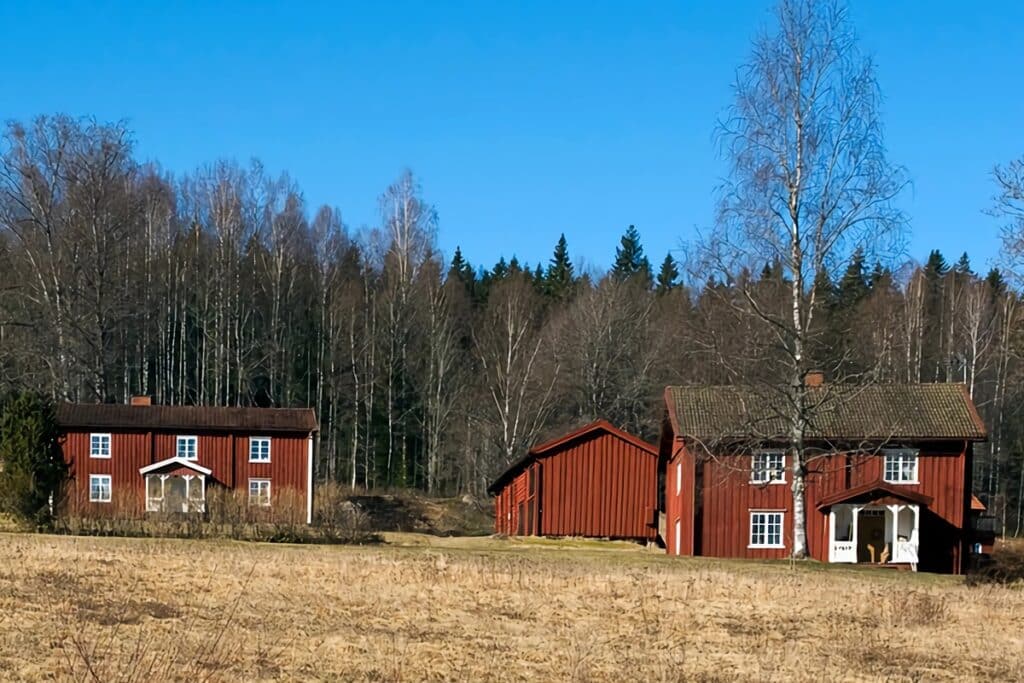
(1005, 566)
(228, 515)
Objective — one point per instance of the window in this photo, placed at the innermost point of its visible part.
(768, 467)
(766, 530)
(901, 466)
(259, 492)
(99, 445)
(259, 449)
(99, 488)
(188, 447)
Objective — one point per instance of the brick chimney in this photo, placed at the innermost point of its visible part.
(814, 378)
(142, 400)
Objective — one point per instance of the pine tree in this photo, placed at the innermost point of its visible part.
(667, 275)
(996, 282)
(963, 266)
(629, 258)
(32, 467)
(500, 270)
(559, 279)
(513, 266)
(463, 271)
(854, 285)
(935, 267)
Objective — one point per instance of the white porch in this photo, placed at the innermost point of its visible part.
(175, 485)
(874, 533)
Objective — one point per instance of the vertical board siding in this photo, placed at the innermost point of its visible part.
(598, 485)
(227, 455)
(728, 498)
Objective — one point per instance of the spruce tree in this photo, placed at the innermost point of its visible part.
(629, 258)
(667, 275)
(854, 285)
(963, 266)
(32, 466)
(559, 279)
(462, 271)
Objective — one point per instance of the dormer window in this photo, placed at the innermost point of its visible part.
(900, 465)
(768, 467)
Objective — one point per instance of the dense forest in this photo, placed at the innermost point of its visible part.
(222, 287)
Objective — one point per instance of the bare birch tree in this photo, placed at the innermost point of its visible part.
(809, 184)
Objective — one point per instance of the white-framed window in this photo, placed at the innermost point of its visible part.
(259, 492)
(679, 478)
(900, 465)
(99, 445)
(766, 530)
(768, 467)
(99, 488)
(188, 447)
(259, 449)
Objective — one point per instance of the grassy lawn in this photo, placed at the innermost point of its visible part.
(430, 608)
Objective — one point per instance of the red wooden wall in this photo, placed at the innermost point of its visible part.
(226, 454)
(595, 484)
(714, 509)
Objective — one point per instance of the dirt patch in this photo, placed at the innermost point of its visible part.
(407, 512)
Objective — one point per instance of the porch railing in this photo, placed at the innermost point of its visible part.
(843, 551)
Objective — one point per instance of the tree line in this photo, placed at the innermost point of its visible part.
(222, 287)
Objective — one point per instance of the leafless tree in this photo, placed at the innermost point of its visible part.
(809, 183)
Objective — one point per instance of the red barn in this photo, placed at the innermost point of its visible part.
(888, 480)
(132, 459)
(598, 481)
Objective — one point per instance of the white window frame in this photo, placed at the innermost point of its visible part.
(764, 475)
(767, 519)
(101, 478)
(103, 438)
(255, 500)
(899, 454)
(253, 440)
(195, 447)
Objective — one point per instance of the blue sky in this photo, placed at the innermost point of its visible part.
(522, 120)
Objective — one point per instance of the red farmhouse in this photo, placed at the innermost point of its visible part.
(888, 477)
(144, 458)
(598, 481)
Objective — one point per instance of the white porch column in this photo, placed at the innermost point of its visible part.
(853, 532)
(832, 534)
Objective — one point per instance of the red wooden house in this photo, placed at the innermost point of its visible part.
(138, 458)
(597, 481)
(888, 474)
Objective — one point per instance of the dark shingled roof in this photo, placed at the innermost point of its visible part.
(198, 418)
(843, 413)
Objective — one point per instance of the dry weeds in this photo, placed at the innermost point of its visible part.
(104, 609)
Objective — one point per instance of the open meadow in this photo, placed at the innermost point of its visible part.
(426, 608)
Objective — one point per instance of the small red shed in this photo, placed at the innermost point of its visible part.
(597, 481)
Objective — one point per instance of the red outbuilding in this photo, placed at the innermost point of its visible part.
(597, 481)
(140, 458)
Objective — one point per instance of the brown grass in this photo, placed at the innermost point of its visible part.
(425, 608)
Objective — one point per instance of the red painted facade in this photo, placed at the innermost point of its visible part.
(709, 498)
(225, 452)
(598, 482)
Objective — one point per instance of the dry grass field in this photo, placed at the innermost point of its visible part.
(424, 608)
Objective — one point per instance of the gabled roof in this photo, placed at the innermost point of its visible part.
(185, 418)
(548, 446)
(175, 462)
(977, 505)
(874, 489)
(841, 413)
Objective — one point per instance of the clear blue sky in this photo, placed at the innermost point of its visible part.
(521, 119)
